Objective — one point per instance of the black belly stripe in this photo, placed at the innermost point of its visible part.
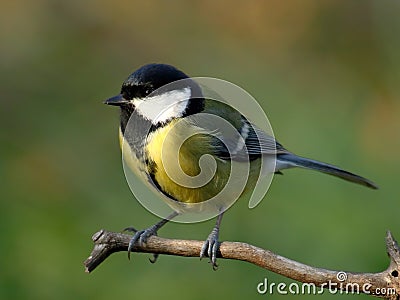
(153, 180)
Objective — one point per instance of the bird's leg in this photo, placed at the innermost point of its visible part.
(211, 245)
(141, 236)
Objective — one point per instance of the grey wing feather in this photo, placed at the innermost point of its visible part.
(256, 141)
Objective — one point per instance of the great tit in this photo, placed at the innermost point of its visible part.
(142, 99)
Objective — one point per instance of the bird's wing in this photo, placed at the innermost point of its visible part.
(232, 135)
(240, 141)
(250, 144)
(259, 142)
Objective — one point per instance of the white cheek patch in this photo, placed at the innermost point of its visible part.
(166, 106)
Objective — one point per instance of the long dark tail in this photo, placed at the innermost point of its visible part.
(291, 160)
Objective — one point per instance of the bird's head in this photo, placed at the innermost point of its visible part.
(157, 92)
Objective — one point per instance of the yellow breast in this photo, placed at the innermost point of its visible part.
(174, 165)
(176, 151)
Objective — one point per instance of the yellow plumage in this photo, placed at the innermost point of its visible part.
(180, 155)
(177, 164)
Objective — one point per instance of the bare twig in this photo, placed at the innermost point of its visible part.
(385, 284)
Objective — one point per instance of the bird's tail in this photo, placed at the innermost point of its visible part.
(289, 160)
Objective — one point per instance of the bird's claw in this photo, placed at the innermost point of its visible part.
(154, 259)
(141, 237)
(210, 248)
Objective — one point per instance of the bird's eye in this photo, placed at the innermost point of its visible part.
(147, 92)
(125, 95)
(127, 92)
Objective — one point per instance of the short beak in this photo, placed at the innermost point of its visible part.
(116, 100)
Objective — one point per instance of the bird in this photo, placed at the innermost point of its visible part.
(151, 106)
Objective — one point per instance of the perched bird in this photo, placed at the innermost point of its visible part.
(153, 108)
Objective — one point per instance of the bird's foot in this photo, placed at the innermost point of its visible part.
(210, 248)
(141, 237)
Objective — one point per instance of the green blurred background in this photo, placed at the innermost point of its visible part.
(326, 72)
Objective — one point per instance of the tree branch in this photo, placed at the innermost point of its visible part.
(385, 284)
